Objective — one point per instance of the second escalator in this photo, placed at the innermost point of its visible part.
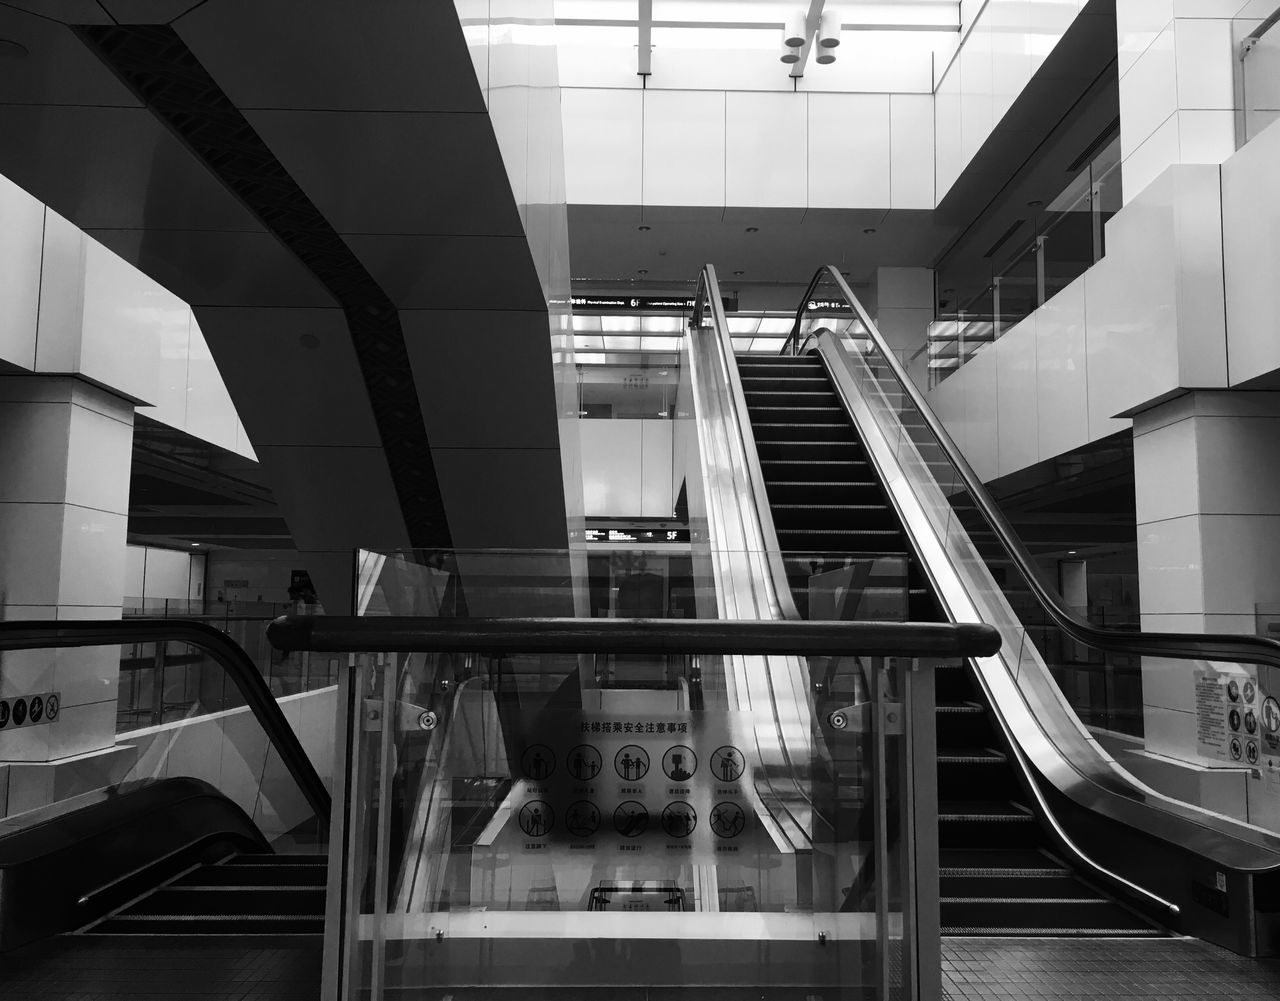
(998, 873)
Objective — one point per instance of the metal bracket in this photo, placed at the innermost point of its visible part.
(372, 716)
(891, 718)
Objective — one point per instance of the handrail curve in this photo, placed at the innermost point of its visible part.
(36, 635)
(1176, 646)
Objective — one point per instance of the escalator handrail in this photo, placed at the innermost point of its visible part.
(226, 653)
(707, 295)
(1177, 646)
(416, 634)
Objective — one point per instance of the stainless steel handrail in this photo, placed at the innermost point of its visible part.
(708, 295)
(18, 635)
(1178, 646)
(338, 634)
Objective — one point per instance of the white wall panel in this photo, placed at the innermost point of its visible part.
(849, 154)
(611, 459)
(1062, 390)
(1010, 53)
(1138, 22)
(911, 151)
(1205, 60)
(655, 468)
(1151, 159)
(1148, 95)
(684, 148)
(764, 134)
(1017, 409)
(1206, 136)
(21, 236)
(981, 392)
(948, 160)
(1251, 253)
(976, 98)
(603, 152)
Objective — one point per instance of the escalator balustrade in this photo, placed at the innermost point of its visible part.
(998, 874)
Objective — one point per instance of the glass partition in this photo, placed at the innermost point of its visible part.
(606, 818)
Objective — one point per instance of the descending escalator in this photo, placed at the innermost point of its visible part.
(999, 874)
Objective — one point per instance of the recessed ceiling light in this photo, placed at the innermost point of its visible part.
(1035, 203)
(753, 229)
(869, 230)
(643, 271)
(644, 229)
(9, 49)
(739, 274)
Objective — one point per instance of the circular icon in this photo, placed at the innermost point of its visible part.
(538, 762)
(1251, 752)
(679, 763)
(536, 818)
(630, 819)
(37, 708)
(51, 706)
(1233, 690)
(1233, 718)
(4, 713)
(1250, 721)
(632, 762)
(1249, 692)
(1235, 748)
(726, 763)
(19, 711)
(728, 820)
(584, 763)
(582, 819)
(1271, 715)
(679, 820)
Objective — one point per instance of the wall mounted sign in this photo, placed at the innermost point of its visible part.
(29, 710)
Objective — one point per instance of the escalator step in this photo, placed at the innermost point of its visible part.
(222, 924)
(255, 875)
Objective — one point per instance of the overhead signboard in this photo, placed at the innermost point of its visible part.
(645, 303)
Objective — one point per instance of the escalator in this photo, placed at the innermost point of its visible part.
(862, 507)
(208, 834)
(998, 873)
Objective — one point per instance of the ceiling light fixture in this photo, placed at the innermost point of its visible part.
(793, 30)
(739, 274)
(828, 36)
(870, 230)
(790, 56)
(643, 229)
(753, 229)
(643, 271)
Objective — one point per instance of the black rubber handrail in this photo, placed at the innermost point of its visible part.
(1177, 646)
(333, 634)
(20, 635)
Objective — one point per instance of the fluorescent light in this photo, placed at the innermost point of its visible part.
(662, 343)
(619, 342)
(610, 324)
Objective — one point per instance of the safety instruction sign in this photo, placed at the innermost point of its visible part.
(1228, 715)
(639, 787)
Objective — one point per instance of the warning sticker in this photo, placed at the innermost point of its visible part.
(1226, 716)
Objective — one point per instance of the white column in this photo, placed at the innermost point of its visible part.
(1208, 513)
(65, 450)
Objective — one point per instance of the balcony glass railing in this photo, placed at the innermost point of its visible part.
(1069, 237)
(1257, 77)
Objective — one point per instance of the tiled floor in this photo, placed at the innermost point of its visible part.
(86, 969)
(1101, 969)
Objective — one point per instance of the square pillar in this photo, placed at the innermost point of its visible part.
(1208, 512)
(65, 453)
